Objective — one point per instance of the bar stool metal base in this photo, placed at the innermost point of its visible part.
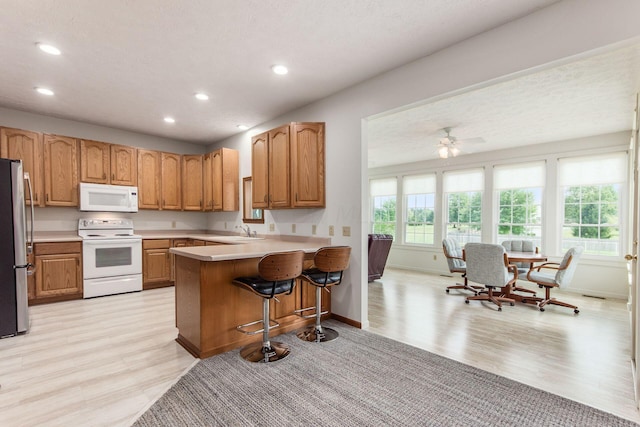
(313, 334)
(259, 353)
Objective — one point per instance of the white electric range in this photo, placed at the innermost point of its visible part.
(111, 257)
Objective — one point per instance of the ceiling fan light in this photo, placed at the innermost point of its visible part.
(443, 152)
(454, 151)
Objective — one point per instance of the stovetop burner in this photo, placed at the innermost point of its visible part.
(106, 229)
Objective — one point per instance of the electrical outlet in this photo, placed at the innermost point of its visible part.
(272, 227)
(293, 228)
(173, 224)
(314, 229)
(331, 231)
(346, 231)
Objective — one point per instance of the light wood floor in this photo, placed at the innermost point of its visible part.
(100, 362)
(583, 357)
(95, 362)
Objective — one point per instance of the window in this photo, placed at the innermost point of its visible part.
(591, 188)
(463, 195)
(383, 206)
(519, 190)
(419, 202)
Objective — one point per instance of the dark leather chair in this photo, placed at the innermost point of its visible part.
(277, 275)
(379, 247)
(329, 264)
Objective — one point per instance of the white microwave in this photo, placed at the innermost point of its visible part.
(108, 198)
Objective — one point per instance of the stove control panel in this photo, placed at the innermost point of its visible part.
(102, 224)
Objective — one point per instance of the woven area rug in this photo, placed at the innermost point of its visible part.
(359, 379)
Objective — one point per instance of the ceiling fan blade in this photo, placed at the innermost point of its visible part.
(477, 140)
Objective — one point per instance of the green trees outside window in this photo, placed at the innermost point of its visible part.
(464, 216)
(591, 216)
(384, 215)
(520, 214)
(420, 214)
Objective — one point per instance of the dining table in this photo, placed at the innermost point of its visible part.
(523, 257)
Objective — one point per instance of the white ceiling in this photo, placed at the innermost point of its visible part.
(127, 64)
(591, 96)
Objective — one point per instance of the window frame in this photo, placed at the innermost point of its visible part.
(429, 182)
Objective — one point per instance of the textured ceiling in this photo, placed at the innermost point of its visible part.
(127, 64)
(588, 97)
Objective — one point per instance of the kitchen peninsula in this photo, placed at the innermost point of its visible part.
(209, 306)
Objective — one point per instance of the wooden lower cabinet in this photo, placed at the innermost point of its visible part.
(58, 272)
(156, 263)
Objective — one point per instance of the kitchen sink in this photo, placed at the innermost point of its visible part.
(234, 239)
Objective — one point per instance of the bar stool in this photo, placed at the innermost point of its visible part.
(277, 276)
(329, 264)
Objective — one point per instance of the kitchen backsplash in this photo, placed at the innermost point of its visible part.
(66, 219)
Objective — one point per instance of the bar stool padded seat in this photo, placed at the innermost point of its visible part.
(265, 288)
(321, 277)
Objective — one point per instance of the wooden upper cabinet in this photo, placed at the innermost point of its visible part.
(207, 181)
(104, 163)
(149, 169)
(260, 171)
(287, 167)
(26, 146)
(307, 165)
(279, 168)
(95, 162)
(192, 182)
(60, 170)
(216, 165)
(124, 165)
(171, 178)
(226, 180)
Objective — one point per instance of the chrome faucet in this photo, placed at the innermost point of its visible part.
(248, 230)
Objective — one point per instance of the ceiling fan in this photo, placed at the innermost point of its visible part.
(450, 146)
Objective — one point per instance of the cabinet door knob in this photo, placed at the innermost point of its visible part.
(113, 176)
(104, 176)
(265, 197)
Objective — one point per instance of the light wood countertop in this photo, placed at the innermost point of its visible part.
(255, 248)
(55, 236)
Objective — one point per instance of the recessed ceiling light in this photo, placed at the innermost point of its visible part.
(243, 127)
(280, 69)
(48, 48)
(202, 96)
(44, 91)
(169, 120)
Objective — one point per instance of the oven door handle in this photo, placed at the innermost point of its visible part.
(103, 242)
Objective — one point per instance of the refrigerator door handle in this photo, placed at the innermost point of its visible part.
(31, 269)
(30, 242)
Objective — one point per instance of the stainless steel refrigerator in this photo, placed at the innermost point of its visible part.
(14, 311)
